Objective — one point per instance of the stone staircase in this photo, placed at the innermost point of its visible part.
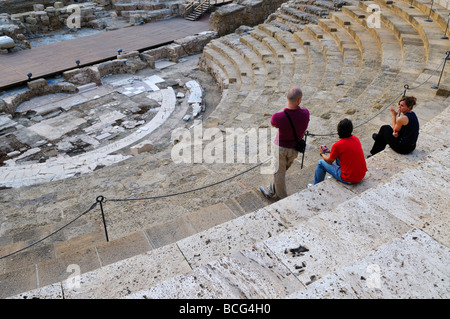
(198, 11)
(391, 229)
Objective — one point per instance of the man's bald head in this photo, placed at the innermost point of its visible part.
(294, 96)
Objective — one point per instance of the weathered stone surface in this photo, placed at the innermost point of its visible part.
(37, 84)
(142, 147)
(6, 42)
(228, 18)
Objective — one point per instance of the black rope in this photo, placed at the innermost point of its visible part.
(187, 191)
(101, 199)
(51, 234)
(406, 87)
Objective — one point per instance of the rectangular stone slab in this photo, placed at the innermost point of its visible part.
(251, 273)
(229, 237)
(386, 273)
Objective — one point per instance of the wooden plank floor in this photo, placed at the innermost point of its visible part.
(55, 58)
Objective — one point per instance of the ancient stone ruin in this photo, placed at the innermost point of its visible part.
(100, 136)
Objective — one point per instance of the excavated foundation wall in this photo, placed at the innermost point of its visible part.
(18, 6)
(228, 18)
(129, 62)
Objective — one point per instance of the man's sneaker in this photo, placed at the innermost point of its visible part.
(267, 194)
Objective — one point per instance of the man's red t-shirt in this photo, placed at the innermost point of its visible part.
(285, 135)
(351, 159)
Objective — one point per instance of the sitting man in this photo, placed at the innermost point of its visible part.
(350, 166)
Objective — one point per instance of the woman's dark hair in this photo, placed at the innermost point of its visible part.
(410, 101)
(345, 128)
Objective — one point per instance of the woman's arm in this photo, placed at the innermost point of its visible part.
(397, 123)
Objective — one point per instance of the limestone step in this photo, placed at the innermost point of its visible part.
(338, 239)
(316, 59)
(430, 31)
(390, 37)
(48, 263)
(340, 76)
(227, 67)
(425, 164)
(365, 278)
(211, 244)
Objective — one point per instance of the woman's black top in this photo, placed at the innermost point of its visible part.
(410, 132)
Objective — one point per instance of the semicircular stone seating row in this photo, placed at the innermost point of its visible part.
(344, 66)
(256, 69)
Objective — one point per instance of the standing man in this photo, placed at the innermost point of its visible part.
(285, 140)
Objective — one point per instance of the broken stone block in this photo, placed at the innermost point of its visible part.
(31, 20)
(128, 55)
(102, 136)
(142, 147)
(6, 42)
(38, 7)
(37, 84)
(87, 87)
(2, 106)
(58, 5)
(196, 109)
(150, 60)
(195, 92)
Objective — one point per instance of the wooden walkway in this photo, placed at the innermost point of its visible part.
(58, 57)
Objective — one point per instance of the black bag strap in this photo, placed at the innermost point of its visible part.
(292, 125)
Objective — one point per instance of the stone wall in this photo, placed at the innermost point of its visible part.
(228, 18)
(51, 18)
(17, 6)
(127, 62)
(41, 20)
(39, 87)
(148, 10)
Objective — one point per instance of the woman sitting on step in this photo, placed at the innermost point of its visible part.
(402, 135)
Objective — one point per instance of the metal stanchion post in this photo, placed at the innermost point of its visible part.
(303, 155)
(100, 200)
(445, 37)
(406, 88)
(442, 71)
(429, 14)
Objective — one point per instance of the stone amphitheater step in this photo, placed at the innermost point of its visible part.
(294, 15)
(431, 32)
(392, 32)
(418, 207)
(386, 82)
(342, 71)
(341, 225)
(48, 262)
(351, 233)
(251, 237)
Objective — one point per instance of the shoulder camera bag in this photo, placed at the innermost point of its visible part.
(299, 145)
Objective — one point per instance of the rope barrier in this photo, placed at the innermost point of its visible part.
(51, 234)
(187, 191)
(101, 199)
(406, 87)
